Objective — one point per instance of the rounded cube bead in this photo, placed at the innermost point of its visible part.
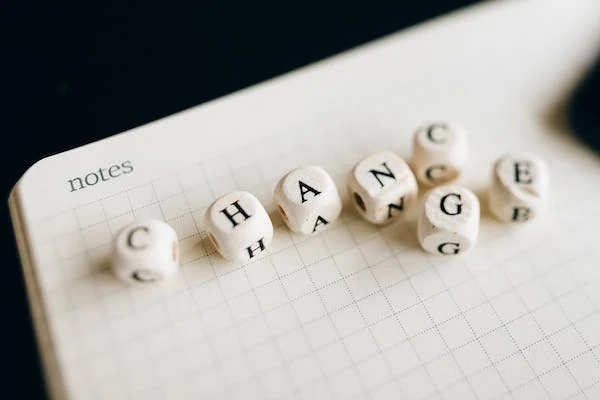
(307, 199)
(440, 153)
(239, 226)
(449, 221)
(145, 251)
(519, 187)
(382, 187)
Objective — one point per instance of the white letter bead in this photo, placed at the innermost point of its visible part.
(440, 152)
(238, 226)
(519, 187)
(307, 199)
(145, 251)
(382, 187)
(449, 222)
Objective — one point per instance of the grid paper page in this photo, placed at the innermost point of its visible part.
(357, 311)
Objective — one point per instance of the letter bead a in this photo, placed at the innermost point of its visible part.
(307, 200)
(449, 221)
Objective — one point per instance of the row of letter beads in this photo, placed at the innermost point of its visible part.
(382, 187)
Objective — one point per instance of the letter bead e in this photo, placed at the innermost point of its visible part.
(518, 189)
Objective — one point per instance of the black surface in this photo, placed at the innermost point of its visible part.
(584, 108)
(78, 73)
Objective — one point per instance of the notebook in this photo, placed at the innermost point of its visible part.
(357, 311)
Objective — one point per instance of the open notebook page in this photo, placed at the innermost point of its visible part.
(357, 311)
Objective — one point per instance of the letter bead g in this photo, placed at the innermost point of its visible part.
(449, 221)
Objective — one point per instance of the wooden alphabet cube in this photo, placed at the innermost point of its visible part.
(519, 187)
(449, 221)
(440, 153)
(239, 226)
(307, 199)
(145, 251)
(382, 187)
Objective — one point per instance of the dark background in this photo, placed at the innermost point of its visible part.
(79, 73)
